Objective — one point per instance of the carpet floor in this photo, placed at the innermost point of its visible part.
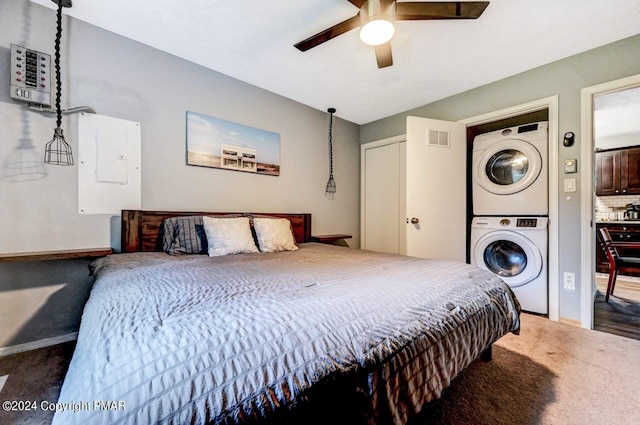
(551, 373)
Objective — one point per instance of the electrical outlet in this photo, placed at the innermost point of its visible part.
(569, 281)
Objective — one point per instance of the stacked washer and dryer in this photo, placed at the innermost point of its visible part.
(510, 191)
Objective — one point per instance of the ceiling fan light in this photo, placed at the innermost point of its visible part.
(377, 31)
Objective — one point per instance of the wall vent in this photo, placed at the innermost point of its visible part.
(438, 138)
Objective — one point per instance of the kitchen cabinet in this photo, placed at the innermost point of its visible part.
(619, 231)
(618, 172)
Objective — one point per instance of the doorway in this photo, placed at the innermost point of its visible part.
(383, 195)
(612, 130)
(473, 131)
(538, 110)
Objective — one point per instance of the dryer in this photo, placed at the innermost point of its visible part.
(509, 171)
(515, 249)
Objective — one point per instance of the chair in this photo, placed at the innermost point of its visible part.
(616, 262)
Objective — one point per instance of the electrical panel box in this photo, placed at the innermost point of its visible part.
(30, 73)
(109, 165)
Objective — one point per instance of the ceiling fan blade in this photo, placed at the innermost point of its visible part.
(328, 34)
(357, 3)
(440, 10)
(383, 55)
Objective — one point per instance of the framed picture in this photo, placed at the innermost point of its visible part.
(216, 143)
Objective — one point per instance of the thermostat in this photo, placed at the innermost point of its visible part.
(30, 79)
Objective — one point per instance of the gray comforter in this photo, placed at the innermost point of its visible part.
(262, 337)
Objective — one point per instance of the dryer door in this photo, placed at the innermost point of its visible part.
(509, 255)
(508, 166)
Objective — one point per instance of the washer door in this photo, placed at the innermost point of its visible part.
(509, 255)
(508, 166)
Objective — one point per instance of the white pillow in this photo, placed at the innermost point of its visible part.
(274, 234)
(228, 236)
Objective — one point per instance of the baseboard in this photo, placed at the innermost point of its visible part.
(572, 322)
(47, 342)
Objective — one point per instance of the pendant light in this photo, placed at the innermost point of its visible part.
(331, 184)
(58, 151)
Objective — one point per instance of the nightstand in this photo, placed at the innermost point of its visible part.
(329, 239)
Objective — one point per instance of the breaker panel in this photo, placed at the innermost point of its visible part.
(30, 76)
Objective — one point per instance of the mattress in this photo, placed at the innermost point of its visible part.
(279, 337)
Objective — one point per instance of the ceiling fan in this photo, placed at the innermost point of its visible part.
(376, 18)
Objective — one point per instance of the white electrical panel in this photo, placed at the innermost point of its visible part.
(30, 76)
(113, 158)
(109, 165)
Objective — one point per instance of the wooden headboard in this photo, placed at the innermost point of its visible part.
(141, 229)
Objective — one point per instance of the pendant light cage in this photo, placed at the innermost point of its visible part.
(58, 151)
(330, 189)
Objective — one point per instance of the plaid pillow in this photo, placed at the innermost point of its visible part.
(184, 235)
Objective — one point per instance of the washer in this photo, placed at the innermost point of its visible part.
(515, 249)
(509, 171)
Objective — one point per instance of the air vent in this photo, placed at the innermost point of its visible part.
(438, 138)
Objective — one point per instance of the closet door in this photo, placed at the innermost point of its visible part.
(436, 189)
(383, 198)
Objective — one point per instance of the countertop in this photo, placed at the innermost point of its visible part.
(618, 222)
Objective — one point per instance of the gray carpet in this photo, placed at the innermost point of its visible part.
(549, 374)
(34, 375)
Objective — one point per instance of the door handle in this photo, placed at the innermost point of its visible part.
(415, 220)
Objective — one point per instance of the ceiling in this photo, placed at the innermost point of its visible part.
(252, 40)
(616, 114)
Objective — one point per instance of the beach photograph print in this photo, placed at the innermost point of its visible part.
(217, 143)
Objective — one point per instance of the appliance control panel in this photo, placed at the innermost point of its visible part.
(30, 76)
(511, 223)
(527, 222)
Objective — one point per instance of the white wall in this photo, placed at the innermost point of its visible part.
(564, 78)
(125, 79)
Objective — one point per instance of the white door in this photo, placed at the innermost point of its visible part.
(436, 189)
(383, 200)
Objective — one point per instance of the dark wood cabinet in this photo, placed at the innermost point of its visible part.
(626, 232)
(618, 172)
(607, 173)
(630, 171)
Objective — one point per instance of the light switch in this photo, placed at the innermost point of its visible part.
(569, 185)
(570, 166)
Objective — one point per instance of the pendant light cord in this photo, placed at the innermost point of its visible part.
(330, 189)
(58, 151)
(331, 143)
(57, 66)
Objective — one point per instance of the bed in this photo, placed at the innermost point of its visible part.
(316, 334)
